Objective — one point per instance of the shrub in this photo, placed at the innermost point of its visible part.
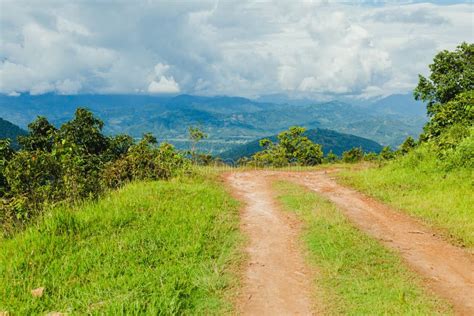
(387, 153)
(331, 157)
(353, 155)
(407, 145)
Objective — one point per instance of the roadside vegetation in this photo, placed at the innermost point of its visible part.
(74, 162)
(419, 185)
(432, 178)
(355, 274)
(160, 247)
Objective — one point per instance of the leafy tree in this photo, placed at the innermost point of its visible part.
(41, 135)
(292, 148)
(195, 136)
(458, 111)
(119, 146)
(85, 130)
(452, 73)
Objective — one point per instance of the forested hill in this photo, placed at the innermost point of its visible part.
(330, 141)
(10, 130)
(228, 121)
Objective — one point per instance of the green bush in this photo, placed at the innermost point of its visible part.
(387, 153)
(353, 155)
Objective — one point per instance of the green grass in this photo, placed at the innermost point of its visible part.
(149, 248)
(356, 275)
(418, 186)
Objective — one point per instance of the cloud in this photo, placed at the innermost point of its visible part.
(313, 49)
(163, 85)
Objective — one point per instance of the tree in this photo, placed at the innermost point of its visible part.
(452, 73)
(292, 148)
(195, 136)
(85, 130)
(41, 135)
(119, 146)
(458, 111)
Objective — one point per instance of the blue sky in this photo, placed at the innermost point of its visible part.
(312, 49)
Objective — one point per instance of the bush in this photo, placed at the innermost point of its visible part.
(331, 157)
(462, 156)
(353, 155)
(387, 153)
(407, 145)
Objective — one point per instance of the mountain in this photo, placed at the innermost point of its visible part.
(229, 121)
(398, 104)
(11, 131)
(330, 141)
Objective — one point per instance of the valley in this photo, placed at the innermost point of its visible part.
(229, 121)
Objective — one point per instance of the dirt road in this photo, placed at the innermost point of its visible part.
(276, 279)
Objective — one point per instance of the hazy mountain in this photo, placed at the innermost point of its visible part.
(11, 131)
(398, 104)
(228, 120)
(330, 141)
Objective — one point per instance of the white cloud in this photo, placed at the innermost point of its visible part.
(163, 85)
(311, 49)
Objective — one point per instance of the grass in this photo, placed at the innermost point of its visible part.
(357, 276)
(443, 200)
(149, 248)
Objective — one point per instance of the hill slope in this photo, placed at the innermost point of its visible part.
(10, 130)
(330, 141)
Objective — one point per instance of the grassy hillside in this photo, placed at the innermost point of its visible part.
(11, 131)
(330, 141)
(419, 185)
(356, 275)
(148, 248)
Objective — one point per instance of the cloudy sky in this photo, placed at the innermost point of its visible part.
(299, 48)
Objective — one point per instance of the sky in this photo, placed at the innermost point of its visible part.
(310, 49)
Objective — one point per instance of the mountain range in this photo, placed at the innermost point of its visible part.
(229, 121)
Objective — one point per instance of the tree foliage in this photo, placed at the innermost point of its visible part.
(293, 148)
(452, 73)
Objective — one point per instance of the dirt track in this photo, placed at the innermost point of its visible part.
(276, 280)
